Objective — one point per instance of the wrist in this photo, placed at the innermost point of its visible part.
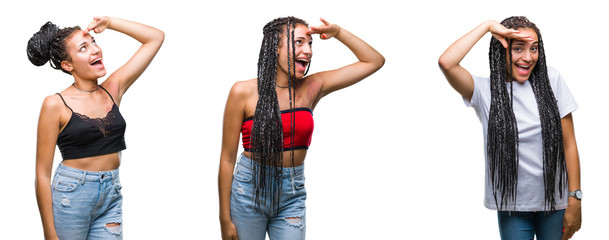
(225, 219)
(574, 202)
(488, 25)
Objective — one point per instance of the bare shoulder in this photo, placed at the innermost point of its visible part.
(244, 89)
(52, 103)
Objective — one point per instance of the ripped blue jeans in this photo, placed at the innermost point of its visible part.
(87, 205)
(288, 223)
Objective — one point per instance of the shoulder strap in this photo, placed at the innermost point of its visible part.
(108, 93)
(64, 102)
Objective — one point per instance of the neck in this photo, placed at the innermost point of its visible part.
(281, 79)
(87, 85)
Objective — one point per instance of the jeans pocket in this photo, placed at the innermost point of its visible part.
(242, 175)
(299, 182)
(118, 186)
(65, 186)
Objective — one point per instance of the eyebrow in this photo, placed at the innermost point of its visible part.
(85, 41)
(520, 42)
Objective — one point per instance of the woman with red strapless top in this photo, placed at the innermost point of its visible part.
(273, 112)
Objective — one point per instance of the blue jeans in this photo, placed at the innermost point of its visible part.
(84, 202)
(523, 225)
(287, 223)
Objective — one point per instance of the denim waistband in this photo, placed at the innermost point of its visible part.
(247, 163)
(88, 176)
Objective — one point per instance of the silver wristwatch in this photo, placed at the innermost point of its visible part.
(577, 194)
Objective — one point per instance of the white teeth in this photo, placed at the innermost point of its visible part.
(303, 60)
(96, 60)
(523, 66)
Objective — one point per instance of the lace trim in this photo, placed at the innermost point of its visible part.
(104, 125)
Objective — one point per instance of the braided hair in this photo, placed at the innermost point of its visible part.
(49, 45)
(502, 145)
(267, 130)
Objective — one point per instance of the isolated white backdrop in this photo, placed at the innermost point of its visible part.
(395, 156)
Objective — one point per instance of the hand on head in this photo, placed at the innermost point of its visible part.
(98, 25)
(326, 30)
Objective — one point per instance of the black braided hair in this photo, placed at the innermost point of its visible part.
(502, 145)
(49, 45)
(267, 130)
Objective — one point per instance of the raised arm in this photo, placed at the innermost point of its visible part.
(151, 39)
(231, 130)
(573, 216)
(48, 130)
(458, 77)
(369, 60)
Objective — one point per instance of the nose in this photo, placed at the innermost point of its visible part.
(306, 49)
(527, 56)
(96, 50)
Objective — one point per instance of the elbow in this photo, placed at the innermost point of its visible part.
(379, 62)
(160, 36)
(443, 63)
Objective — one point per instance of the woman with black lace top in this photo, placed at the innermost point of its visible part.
(84, 201)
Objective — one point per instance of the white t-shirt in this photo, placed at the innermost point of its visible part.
(530, 191)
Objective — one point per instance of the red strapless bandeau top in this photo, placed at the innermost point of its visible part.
(302, 133)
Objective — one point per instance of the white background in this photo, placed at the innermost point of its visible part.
(395, 156)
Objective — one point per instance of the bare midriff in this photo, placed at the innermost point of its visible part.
(299, 157)
(105, 162)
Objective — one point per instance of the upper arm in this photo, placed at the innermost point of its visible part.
(458, 77)
(48, 130)
(126, 75)
(233, 119)
(568, 131)
(369, 61)
(346, 76)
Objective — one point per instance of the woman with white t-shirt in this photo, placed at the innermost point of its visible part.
(532, 164)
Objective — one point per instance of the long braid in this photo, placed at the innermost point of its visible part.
(292, 83)
(502, 145)
(551, 130)
(502, 140)
(267, 129)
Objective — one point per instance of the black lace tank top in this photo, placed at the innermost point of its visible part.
(87, 137)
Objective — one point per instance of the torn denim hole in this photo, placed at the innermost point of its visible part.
(241, 190)
(65, 202)
(294, 222)
(114, 228)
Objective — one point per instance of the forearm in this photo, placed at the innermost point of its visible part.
(573, 168)
(225, 179)
(140, 32)
(364, 52)
(455, 53)
(45, 206)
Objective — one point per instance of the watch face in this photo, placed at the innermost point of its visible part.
(578, 194)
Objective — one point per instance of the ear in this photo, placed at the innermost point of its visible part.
(67, 66)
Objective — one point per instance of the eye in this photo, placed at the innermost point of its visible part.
(517, 49)
(82, 49)
(534, 49)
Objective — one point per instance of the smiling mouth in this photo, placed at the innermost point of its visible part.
(301, 63)
(97, 62)
(523, 69)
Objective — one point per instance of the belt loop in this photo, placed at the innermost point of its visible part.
(292, 180)
(84, 177)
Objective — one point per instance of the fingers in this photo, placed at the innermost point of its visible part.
(324, 21)
(92, 25)
(568, 231)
